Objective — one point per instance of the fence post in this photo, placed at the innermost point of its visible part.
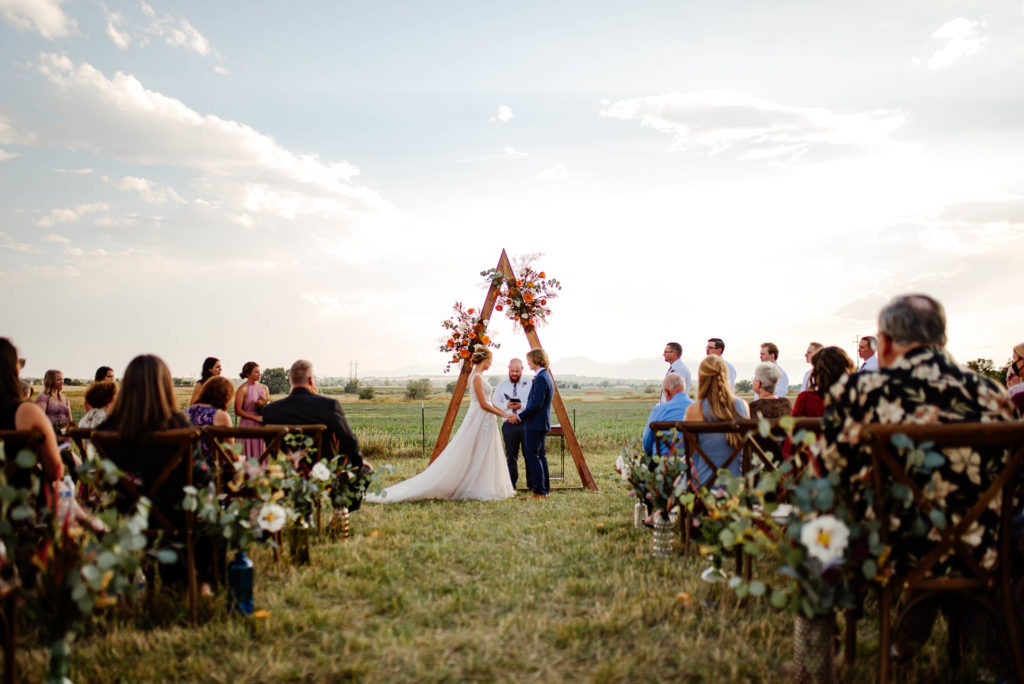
(423, 426)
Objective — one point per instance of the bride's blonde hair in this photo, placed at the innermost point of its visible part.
(480, 355)
(713, 385)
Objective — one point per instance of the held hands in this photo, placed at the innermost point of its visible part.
(512, 418)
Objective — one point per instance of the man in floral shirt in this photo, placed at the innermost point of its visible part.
(918, 382)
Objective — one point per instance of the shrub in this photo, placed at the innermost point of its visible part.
(744, 385)
(352, 386)
(418, 389)
(276, 380)
(366, 393)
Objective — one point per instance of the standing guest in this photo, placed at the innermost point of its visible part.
(715, 348)
(866, 350)
(211, 367)
(250, 396)
(673, 357)
(104, 373)
(812, 349)
(715, 401)
(212, 409)
(56, 406)
(770, 354)
(831, 364)
(146, 404)
(510, 394)
(768, 404)
(16, 414)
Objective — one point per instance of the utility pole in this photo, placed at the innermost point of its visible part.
(353, 370)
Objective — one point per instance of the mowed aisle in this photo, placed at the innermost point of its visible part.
(523, 590)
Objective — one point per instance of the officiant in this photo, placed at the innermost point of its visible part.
(511, 394)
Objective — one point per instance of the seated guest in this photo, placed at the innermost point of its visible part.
(918, 382)
(26, 390)
(812, 350)
(715, 401)
(17, 414)
(304, 406)
(768, 404)
(674, 387)
(146, 404)
(1015, 378)
(100, 396)
(830, 365)
(211, 408)
(211, 367)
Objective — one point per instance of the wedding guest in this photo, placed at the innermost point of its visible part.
(211, 408)
(715, 348)
(768, 404)
(56, 405)
(1015, 377)
(715, 401)
(770, 354)
(511, 394)
(211, 367)
(674, 386)
(866, 351)
(144, 405)
(252, 395)
(673, 357)
(26, 390)
(812, 349)
(17, 414)
(831, 364)
(104, 373)
(99, 396)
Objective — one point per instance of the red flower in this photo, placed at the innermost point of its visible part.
(469, 311)
(541, 275)
(464, 353)
(498, 307)
(543, 302)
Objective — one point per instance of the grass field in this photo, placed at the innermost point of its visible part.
(545, 591)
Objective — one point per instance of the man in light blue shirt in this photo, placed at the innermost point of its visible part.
(672, 410)
(770, 354)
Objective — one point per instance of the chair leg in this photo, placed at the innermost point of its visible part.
(850, 638)
(190, 569)
(884, 634)
(10, 619)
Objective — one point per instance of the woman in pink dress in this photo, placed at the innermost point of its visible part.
(250, 397)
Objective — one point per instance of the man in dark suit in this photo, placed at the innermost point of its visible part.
(536, 421)
(304, 406)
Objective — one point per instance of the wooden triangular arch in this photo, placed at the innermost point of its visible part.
(460, 386)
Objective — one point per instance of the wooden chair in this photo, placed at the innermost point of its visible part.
(992, 590)
(13, 442)
(183, 440)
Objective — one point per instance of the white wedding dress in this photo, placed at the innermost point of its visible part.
(472, 466)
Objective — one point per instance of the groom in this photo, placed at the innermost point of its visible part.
(536, 423)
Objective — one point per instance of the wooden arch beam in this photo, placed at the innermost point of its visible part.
(467, 366)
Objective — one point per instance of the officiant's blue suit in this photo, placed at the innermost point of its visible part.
(536, 424)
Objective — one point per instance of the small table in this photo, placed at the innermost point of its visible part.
(556, 431)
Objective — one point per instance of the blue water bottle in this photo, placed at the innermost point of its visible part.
(240, 584)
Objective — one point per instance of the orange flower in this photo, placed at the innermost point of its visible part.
(472, 335)
(519, 283)
(528, 297)
(517, 319)
(485, 339)
(469, 311)
(464, 353)
(451, 343)
(543, 302)
(499, 307)
(541, 275)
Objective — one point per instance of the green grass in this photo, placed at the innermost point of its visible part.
(518, 590)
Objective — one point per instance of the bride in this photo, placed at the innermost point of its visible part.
(473, 465)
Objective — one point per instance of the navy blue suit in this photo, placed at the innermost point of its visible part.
(536, 424)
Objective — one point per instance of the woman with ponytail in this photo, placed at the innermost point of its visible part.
(473, 465)
(715, 401)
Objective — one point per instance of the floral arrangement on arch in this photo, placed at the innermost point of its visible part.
(464, 332)
(525, 303)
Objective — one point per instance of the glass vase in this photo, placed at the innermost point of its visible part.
(661, 540)
(639, 513)
(339, 526)
(299, 538)
(814, 650)
(240, 580)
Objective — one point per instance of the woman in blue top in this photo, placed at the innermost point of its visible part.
(715, 401)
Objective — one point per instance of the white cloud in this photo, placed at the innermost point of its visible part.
(9, 135)
(76, 172)
(7, 242)
(151, 192)
(960, 38)
(175, 31)
(752, 128)
(555, 174)
(5, 155)
(504, 115)
(221, 70)
(114, 21)
(248, 170)
(513, 152)
(57, 239)
(185, 35)
(45, 17)
(71, 215)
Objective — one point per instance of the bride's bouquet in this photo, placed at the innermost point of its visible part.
(526, 301)
(464, 332)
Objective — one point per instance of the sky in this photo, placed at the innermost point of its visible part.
(323, 180)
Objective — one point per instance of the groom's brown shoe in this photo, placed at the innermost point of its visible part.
(539, 496)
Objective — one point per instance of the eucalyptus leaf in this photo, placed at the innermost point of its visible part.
(779, 598)
(869, 568)
(26, 459)
(757, 588)
(22, 513)
(937, 518)
(166, 556)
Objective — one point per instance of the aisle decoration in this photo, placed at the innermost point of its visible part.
(465, 332)
(526, 302)
(656, 480)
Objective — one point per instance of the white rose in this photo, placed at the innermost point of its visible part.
(320, 472)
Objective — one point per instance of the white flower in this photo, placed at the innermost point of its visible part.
(273, 517)
(622, 468)
(320, 472)
(825, 538)
(889, 411)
